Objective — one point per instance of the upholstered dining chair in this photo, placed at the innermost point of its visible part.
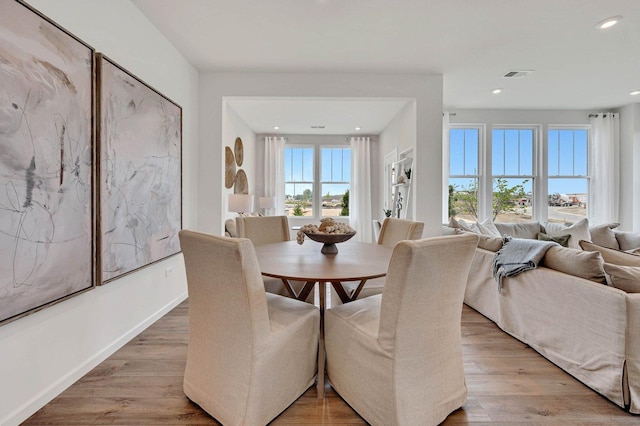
(392, 231)
(396, 357)
(265, 230)
(251, 353)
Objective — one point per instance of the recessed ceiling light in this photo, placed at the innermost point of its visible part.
(635, 92)
(276, 127)
(358, 128)
(496, 91)
(608, 23)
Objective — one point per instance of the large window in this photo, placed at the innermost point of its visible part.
(512, 166)
(568, 182)
(317, 185)
(514, 178)
(464, 150)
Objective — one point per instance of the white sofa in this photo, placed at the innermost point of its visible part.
(589, 329)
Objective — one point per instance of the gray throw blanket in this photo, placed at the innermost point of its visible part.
(518, 255)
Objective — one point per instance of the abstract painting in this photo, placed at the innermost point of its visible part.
(140, 142)
(46, 158)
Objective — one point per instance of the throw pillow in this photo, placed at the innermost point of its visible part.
(604, 236)
(527, 230)
(616, 257)
(447, 230)
(490, 243)
(578, 231)
(470, 227)
(628, 240)
(488, 228)
(583, 264)
(563, 240)
(626, 278)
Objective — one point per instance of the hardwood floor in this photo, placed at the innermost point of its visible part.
(508, 383)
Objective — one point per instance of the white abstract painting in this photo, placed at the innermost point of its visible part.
(46, 150)
(140, 138)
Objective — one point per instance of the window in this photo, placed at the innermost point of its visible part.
(299, 180)
(335, 180)
(464, 149)
(568, 182)
(512, 168)
(313, 180)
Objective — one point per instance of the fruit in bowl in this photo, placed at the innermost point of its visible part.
(329, 233)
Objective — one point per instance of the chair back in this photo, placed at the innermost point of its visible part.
(228, 316)
(263, 229)
(421, 310)
(394, 230)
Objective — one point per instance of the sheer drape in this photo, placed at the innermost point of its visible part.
(274, 170)
(605, 165)
(445, 167)
(360, 193)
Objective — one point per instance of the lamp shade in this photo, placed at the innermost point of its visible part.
(267, 202)
(240, 203)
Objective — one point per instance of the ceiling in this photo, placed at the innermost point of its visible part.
(472, 43)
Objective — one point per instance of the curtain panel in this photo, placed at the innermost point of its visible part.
(360, 193)
(274, 171)
(605, 168)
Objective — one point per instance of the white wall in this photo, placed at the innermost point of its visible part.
(425, 89)
(43, 353)
(232, 128)
(399, 134)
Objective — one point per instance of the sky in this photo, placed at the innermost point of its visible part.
(513, 155)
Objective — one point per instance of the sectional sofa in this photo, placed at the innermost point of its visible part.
(565, 310)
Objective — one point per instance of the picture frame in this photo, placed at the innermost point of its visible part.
(47, 152)
(140, 171)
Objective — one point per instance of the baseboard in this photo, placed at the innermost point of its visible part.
(27, 409)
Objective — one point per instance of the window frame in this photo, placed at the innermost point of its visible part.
(317, 175)
(536, 161)
(548, 176)
(480, 173)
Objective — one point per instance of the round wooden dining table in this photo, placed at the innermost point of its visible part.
(354, 262)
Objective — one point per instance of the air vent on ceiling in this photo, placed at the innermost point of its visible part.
(317, 127)
(517, 74)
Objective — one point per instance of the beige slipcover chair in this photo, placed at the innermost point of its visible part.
(251, 354)
(265, 230)
(396, 358)
(392, 231)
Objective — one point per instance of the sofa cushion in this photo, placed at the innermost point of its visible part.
(626, 278)
(604, 236)
(611, 255)
(563, 240)
(578, 231)
(527, 230)
(448, 230)
(628, 240)
(583, 264)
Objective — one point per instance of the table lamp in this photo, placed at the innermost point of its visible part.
(267, 203)
(240, 203)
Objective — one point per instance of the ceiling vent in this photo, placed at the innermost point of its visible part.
(517, 74)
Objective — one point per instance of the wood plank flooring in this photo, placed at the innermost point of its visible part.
(509, 383)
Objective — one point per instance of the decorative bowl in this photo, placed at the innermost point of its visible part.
(329, 241)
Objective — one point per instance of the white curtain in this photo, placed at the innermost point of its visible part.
(445, 167)
(274, 171)
(360, 193)
(605, 165)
